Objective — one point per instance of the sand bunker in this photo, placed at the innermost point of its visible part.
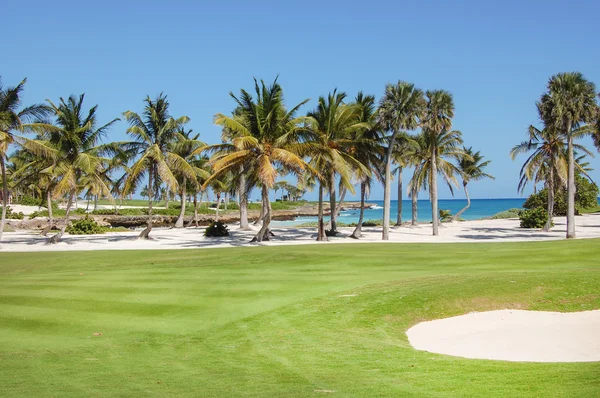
(513, 335)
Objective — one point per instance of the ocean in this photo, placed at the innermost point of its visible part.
(480, 208)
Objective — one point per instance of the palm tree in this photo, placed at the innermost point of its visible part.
(185, 146)
(332, 123)
(470, 166)
(402, 154)
(548, 162)
(12, 119)
(416, 156)
(73, 145)
(436, 123)
(368, 150)
(400, 109)
(447, 147)
(270, 137)
(154, 133)
(573, 103)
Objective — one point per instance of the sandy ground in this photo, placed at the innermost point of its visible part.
(588, 226)
(513, 335)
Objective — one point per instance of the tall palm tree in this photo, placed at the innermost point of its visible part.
(436, 123)
(400, 109)
(470, 166)
(332, 123)
(154, 133)
(270, 137)
(573, 103)
(13, 119)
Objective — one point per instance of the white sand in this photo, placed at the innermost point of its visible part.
(513, 335)
(588, 226)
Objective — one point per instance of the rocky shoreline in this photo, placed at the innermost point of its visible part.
(229, 217)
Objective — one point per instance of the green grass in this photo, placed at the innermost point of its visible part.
(273, 321)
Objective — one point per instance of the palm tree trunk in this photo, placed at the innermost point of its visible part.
(167, 197)
(179, 222)
(399, 217)
(570, 186)
(385, 235)
(60, 233)
(433, 192)
(95, 202)
(332, 203)
(550, 200)
(4, 195)
(218, 206)
(87, 207)
(263, 233)
(243, 202)
(414, 195)
(358, 230)
(49, 204)
(338, 208)
(146, 232)
(455, 218)
(321, 236)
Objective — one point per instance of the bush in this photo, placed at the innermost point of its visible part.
(445, 215)
(586, 196)
(534, 218)
(216, 229)
(84, 226)
(10, 214)
(28, 201)
(510, 213)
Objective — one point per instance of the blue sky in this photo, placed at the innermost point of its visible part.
(495, 57)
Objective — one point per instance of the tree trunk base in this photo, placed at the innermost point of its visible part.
(145, 233)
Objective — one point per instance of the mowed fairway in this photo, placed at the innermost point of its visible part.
(307, 320)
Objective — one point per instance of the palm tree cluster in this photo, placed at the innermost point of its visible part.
(337, 145)
(568, 110)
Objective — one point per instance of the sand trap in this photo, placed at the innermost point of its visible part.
(513, 335)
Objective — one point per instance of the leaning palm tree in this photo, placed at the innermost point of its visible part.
(437, 122)
(270, 138)
(400, 109)
(332, 124)
(470, 166)
(573, 103)
(13, 119)
(154, 133)
(367, 148)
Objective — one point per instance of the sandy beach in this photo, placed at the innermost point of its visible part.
(505, 230)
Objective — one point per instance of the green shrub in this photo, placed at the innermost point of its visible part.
(510, 213)
(10, 214)
(534, 218)
(28, 201)
(445, 215)
(586, 196)
(216, 229)
(34, 215)
(84, 226)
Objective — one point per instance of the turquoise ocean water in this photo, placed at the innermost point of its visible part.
(480, 208)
